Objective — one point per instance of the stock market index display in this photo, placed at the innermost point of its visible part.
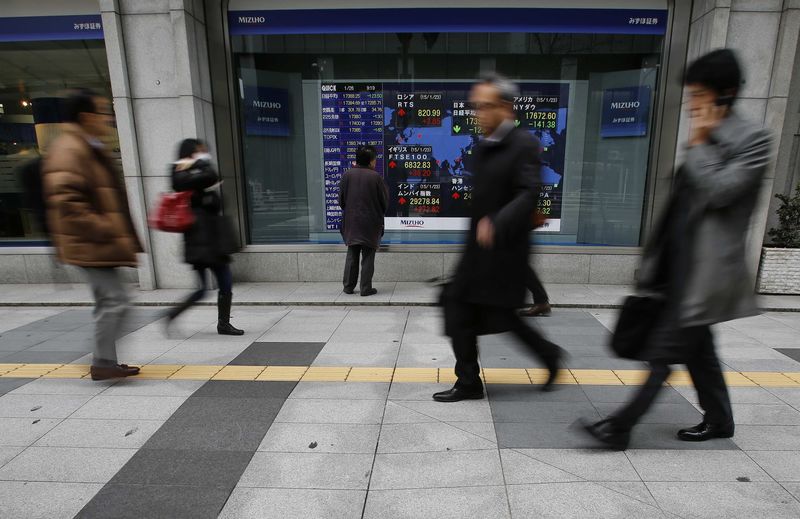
(425, 133)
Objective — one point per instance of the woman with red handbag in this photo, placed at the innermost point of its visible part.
(209, 241)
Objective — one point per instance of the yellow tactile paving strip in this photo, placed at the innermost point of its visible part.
(594, 377)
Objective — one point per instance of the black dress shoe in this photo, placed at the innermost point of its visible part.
(108, 372)
(607, 433)
(457, 394)
(348, 290)
(705, 431)
(369, 292)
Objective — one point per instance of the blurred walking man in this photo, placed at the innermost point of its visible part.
(488, 286)
(363, 198)
(696, 257)
(90, 221)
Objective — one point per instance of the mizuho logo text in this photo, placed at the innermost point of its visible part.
(412, 223)
(252, 19)
(622, 105)
(266, 104)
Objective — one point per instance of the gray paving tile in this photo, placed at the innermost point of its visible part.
(764, 364)
(684, 414)
(145, 387)
(442, 503)
(432, 437)
(465, 411)
(725, 500)
(155, 501)
(529, 393)
(9, 453)
(576, 499)
(301, 410)
(341, 390)
(44, 500)
(623, 394)
(792, 353)
(20, 340)
(278, 503)
(785, 395)
(22, 432)
(396, 413)
(767, 437)
(783, 466)
(109, 434)
(336, 438)
(765, 414)
(356, 359)
(534, 435)
(209, 469)
(10, 384)
(229, 424)
(65, 464)
(520, 468)
(130, 407)
(244, 389)
(436, 470)
(310, 470)
(542, 412)
(40, 406)
(583, 464)
(61, 386)
(279, 354)
(696, 465)
(43, 357)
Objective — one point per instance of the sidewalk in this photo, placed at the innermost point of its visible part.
(330, 294)
(320, 412)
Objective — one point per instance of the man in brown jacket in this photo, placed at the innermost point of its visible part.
(90, 221)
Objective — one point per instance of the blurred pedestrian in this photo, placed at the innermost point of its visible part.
(210, 241)
(696, 257)
(364, 199)
(541, 301)
(89, 219)
(487, 288)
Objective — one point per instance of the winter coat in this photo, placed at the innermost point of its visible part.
(697, 255)
(364, 198)
(211, 239)
(505, 188)
(87, 204)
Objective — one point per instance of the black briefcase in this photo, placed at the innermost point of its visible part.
(637, 320)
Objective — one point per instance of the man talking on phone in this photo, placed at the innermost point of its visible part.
(696, 256)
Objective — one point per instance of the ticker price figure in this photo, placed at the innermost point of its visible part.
(488, 285)
(695, 261)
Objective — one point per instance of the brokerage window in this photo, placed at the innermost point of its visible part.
(314, 85)
(40, 59)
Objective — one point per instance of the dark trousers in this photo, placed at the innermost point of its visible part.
(465, 348)
(533, 284)
(224, 282)
(706, 373)
(351, 267)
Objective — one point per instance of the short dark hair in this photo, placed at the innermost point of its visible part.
(365, 155)
(718, 70)
(506, 89)
(79, 101)
(188, 147)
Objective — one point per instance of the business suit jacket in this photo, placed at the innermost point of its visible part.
(721, 179)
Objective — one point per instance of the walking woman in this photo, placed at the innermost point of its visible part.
(210, 241)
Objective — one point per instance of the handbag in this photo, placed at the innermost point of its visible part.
(173, 212)
(637, 320)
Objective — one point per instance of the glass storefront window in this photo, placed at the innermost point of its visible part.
(308, 98)
(34, 75)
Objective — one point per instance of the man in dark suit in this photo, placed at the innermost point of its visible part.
(363, 198)
(488, 285)
(696, 256)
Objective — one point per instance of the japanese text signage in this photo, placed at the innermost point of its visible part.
(626, 112)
